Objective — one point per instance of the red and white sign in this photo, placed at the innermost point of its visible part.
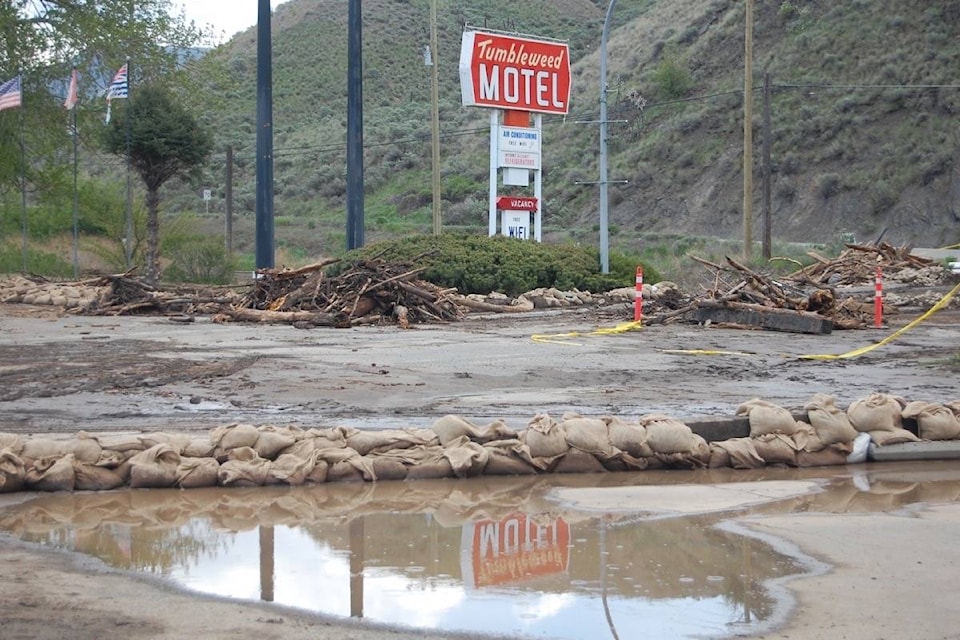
(513, 549)
(517, 203)
(507, 72)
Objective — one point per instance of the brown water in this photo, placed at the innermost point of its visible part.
(502, 556)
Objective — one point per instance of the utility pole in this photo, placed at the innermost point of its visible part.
(604, 198)
(228, 196)
(748, 134)
(354, 126)
(435, 119)
(767, 135)
(264, 223)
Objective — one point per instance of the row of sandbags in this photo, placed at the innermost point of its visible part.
(247, 455)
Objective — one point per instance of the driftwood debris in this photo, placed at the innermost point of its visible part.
(742, 295)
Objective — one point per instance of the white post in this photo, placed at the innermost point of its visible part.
(494, 135)
(538, 182)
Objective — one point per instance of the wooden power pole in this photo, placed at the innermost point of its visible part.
(748, 134)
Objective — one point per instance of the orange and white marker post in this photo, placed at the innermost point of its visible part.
(638, 297)
(878, 300)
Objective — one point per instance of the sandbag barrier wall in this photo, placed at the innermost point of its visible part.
(244, 455)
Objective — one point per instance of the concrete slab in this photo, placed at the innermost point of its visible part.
(926, 450)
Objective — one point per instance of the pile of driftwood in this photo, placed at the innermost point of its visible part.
(806, 300)
(367, 293)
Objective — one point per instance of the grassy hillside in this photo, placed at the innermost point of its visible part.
(853, 148)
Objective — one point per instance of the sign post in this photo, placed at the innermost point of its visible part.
(515, 76)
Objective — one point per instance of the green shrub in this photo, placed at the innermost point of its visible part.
(481, 264)
(200, 259)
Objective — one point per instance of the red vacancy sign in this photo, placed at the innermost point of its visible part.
(512, 73)
(519, 203)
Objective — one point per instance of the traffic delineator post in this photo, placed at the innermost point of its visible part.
(878, 300)
(638, 297)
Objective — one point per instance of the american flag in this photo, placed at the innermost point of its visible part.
(11, 95)
(118, 88)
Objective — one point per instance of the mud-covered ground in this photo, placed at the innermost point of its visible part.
(63, 373)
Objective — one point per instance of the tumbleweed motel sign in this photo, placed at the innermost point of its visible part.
(515, 76)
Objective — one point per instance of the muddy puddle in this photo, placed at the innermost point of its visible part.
(598, 556)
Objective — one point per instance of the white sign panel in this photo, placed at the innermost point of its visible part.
(518, 147)
(516, 224)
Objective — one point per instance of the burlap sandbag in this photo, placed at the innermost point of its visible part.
(505, 460)
(319, 473)
(345, 456)
(89, 477)
(123, 442)
(741, 454)
(589, 435)
(938, 422)
(274, 440)
(544, 437)
(243, 468)
(198, 448)
(885, 437)
(178, 441)
(53, 473)
(668, 435)
(577, 461)
(805, 438)
(234, 436)
(830, 455)
(291, 469)
(629, 437)
(467, 458)
(13, 473)
(155, 468)
(11, 442)
(876, 412)
(829, 421)
(365, 442)
(193, 473)
(777, 449)
(36, 448)
(719, 457)
(435, 468)
(766, 417)
(449, 428)
(386, 468)
(329, 438)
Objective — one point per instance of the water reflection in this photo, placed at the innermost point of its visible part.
(496, 555)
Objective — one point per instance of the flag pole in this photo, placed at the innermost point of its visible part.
(76, 196)
(129, 244)
(23, 179)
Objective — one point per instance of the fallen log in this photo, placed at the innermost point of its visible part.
(314, 318)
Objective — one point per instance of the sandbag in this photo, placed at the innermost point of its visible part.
(467, 458)
(668, 435)
(385, 468)
(830, 422)
(938, 422)
(273, 441)
(13, 473)
(766, 417)
(243, 468)
(577, 461)
(884, 437)
(629, 437)
(193, 473)
(155, 468)
(741, 453)
(12, 442)
(84, 448)
(805, 438)
(436, 468)
(89, 477)
(292, 469)
(53, 473)
(234, 436)
(506, 461)
(319, 474)
(36, 448)
(348, 456)
(588, 435)
(719, 457)
(544, 437)
(449, 428)
(876, 412)
(777, 448)
(830, 455)
(178, 441)
(366, 442)
(198, 448)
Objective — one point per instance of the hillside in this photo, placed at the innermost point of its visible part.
(864, 103)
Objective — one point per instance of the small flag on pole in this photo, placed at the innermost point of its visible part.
(11, 95)
(71, 100)
(118, 89)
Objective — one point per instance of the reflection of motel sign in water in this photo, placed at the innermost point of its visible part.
(514, 548)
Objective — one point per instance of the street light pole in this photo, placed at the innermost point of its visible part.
(604, 214)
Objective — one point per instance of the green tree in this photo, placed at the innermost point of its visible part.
(164, 141)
